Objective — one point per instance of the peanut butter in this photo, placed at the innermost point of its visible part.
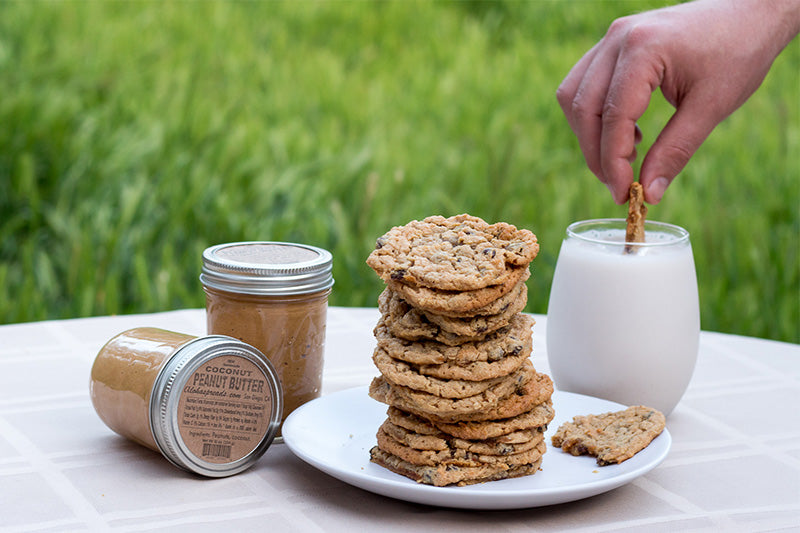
(290, 330)
(210, 405)
(122, 379)
(273, 296)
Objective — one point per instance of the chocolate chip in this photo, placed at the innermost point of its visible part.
(398, 275)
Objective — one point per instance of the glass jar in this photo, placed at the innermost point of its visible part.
(273, 295)
(211, 405)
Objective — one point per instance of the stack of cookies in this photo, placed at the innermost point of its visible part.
(453, 348)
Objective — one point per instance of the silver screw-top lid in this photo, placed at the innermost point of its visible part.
(215, 406)
(267, 268)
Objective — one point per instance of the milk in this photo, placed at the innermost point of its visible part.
(624, 326)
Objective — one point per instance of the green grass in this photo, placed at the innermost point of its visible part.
(135, 134)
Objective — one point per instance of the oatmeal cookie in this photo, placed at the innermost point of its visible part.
(479, 370)
(459, 253)
(532, 391)
(489, 300)
(423, 402)
(519, 441)
(511, 341)
(478, 324)
(496, 447)
(611, 437)
(419, 441)
(443, 475)
(401, 373)
(421, 426)
(537, 418)
(410, 323)
(456, 456)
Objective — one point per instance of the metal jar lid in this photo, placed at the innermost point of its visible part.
(267, 268)
(205, 422)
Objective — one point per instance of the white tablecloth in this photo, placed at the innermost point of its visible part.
(734, 464)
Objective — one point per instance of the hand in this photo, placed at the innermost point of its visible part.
(707, 57)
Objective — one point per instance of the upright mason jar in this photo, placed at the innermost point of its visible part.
(211, 405)
(273, 295)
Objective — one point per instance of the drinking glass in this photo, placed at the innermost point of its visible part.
(624, 324)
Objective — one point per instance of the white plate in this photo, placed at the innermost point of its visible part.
(334, 433)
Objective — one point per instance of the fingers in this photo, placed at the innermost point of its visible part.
(584, 98)
(569, 86)
(587, 108)
(635, 78)
(583, 117)
(678, 141)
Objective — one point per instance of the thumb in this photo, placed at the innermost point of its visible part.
(686, 130)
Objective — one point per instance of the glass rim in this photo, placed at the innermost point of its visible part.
(678, 233)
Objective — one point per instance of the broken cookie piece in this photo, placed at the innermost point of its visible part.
(611, 437)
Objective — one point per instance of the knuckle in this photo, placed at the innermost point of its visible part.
(619, 26)
(633, 32)
(639, 35)
(581, 110)
(612, 112)
(679, 152)
(564, 96)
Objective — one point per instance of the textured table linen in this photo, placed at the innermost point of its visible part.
(734, 464)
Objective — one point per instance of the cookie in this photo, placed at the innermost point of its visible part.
(479, 370)
(410, 323)
(443, 475)
(431, 404)
(456, 456)
(511, 341)
(459, 253)
(611, 437)
(421, 426)
(536, 418)
(490, 300)
(411, 422)
(420, 441)
(505, 445)
(499, 447)
(534, 388)
(405, 373)
(401, 373)
(477, 324)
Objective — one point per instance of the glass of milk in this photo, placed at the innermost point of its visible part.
(624, 325)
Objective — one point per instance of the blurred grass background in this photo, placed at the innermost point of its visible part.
(135, 134)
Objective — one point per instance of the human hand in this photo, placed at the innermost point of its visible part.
(707, 56)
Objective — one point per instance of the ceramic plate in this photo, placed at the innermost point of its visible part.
(334, 433)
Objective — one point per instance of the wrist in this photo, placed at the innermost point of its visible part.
(783, 16)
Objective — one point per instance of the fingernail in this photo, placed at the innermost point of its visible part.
(656, 189)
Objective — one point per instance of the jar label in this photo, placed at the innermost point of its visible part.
(225, 409)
